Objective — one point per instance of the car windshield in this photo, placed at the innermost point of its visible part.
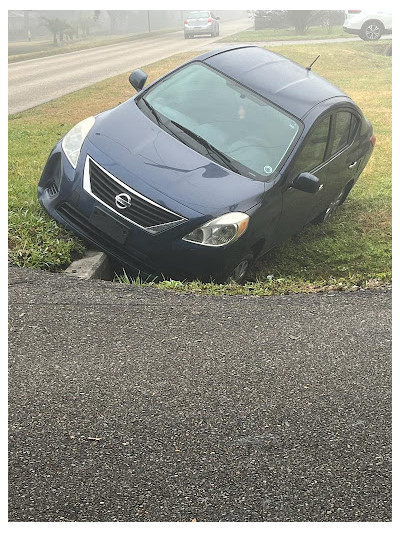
(234, 120)
(198, 15)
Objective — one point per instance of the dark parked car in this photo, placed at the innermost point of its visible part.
(201, 23)
(209, 167)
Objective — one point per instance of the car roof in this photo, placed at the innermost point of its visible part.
(276, 78)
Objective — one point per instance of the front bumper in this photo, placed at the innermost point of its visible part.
(160, 256)
(198, 31)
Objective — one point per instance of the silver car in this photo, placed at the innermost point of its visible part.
(201, 23)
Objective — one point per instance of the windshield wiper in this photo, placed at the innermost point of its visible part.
(158, 119)
(152, 110)
(227, 160)
(210, 148)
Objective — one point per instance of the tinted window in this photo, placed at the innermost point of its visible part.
(353, 128)
(343, 128)
(313, 151)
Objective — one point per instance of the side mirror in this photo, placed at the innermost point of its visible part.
(137, 79)
(306, 182)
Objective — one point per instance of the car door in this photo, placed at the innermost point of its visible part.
(298, 207)
(343, 154)
(328, 153)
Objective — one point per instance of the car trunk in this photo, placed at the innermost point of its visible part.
(200, 22)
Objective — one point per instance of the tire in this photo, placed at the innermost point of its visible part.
(238, 274)
(372, 30)
(332, 207)
(186, 36)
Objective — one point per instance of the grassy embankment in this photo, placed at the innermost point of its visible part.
(350, 251)
(286, 34)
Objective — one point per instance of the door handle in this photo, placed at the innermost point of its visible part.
(352, 165)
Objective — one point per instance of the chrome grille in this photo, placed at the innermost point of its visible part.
(142, 211)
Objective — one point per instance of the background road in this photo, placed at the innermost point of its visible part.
(131, 403)
(36, 81)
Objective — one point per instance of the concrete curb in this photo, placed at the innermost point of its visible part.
(93, 265)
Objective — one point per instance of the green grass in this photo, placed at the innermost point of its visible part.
(287, 34)
(23, 50)
(352, 250)
(34, 239)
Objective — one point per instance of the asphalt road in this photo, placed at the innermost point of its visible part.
(134, 404)
(36, 81)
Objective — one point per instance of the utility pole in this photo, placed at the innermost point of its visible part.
(148, 20)
(26, 23)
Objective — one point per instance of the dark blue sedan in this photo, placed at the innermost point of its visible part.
(209, 167)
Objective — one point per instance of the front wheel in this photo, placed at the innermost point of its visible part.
(372, 31)
(238, 274)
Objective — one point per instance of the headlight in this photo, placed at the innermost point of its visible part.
(72, 142)
(220, 231)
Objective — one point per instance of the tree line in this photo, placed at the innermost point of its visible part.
(301, 20)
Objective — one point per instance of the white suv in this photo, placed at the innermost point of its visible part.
(369, 25)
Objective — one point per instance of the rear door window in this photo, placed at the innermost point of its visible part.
(345, 128)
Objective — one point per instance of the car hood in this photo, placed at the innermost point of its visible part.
(148, 158)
